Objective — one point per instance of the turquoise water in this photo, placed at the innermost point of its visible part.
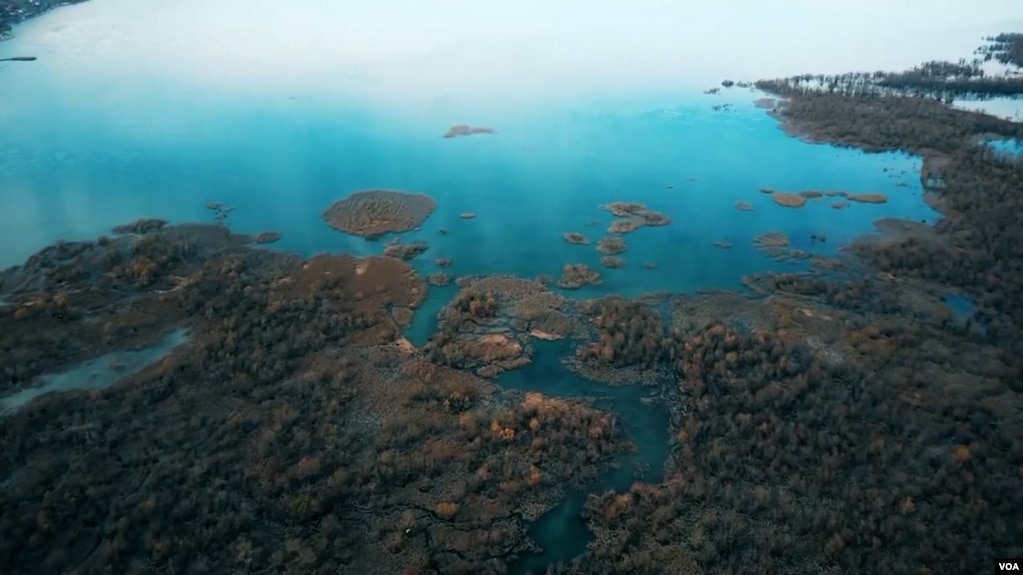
(96, 373)
(562, 533)
(68, 170)
(1008, 146)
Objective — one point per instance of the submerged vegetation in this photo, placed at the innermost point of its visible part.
(840, 419)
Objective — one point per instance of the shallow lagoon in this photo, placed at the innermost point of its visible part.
(561, 532)
(96, 373)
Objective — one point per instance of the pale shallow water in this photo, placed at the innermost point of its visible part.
(1009, 146)
(1006, 108)
(96, 373)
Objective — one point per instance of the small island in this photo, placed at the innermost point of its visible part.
(869, 198)
(463, 130)
(375, 213)
(611, 246)
(268, 237)
(575, 276)
(612, 262)
(632, 216)
(789, 200)
(575, 238)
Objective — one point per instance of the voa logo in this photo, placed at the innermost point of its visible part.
(1012, 566)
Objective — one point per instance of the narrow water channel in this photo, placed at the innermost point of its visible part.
(561, 533)
(96, 373)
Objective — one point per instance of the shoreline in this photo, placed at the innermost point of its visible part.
(14, 12)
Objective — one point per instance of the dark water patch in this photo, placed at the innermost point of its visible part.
(96, 373)
(424, 322)
(561, 533)
(963, 307)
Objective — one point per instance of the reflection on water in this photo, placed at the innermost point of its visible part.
(96, 373)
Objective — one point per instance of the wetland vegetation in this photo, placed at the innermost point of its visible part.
(837, 419)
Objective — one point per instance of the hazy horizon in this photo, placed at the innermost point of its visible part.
(400, 51)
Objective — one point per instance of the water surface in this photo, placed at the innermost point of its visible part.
(280, 163)
(960, 305)
(562, 533)
(96, 373)
(1011, 147)
(153, 110)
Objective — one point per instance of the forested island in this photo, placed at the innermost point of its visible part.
(14, 11)
(839, 419)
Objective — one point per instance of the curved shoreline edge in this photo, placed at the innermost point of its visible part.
(13, 12)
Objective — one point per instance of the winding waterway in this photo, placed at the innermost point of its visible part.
(561, 533)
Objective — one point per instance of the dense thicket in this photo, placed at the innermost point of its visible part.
(294, 434)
